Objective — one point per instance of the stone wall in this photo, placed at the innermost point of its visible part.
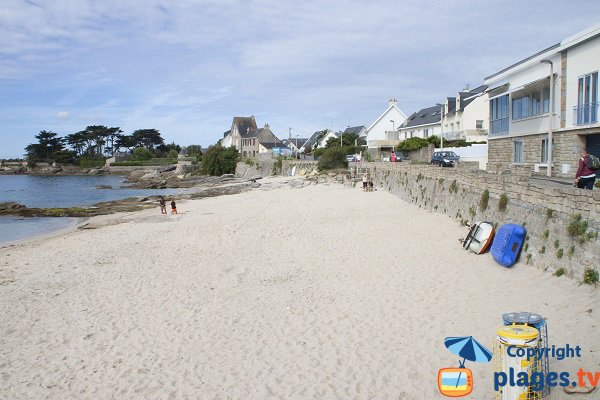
(545, 211)
(567, 147)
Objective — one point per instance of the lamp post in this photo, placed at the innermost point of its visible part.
(550, 115)
(442, 126)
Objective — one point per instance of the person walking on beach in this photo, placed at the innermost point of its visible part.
(173, 206)
(163, 205)
(365, 180)
(585, 176)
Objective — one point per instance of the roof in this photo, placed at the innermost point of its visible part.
(467, 97)
(425, 116)
(565, 44)
(390, 106)
(297, 142)
(312, 140)
(244, 124)
(355, 129)
(226, 133)
(270, 145)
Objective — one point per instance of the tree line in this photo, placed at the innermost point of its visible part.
(99, 142)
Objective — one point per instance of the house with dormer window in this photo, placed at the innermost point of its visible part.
(553, 93)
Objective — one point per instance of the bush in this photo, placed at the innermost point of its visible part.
(141, 154)
(590, 276)
(172, 153)
(577, 227)
(219, 160)
(411, 144)
(333, 158)
(63, 156)
(485, 199)
(559, 272)
(86, 162)
(503, 202)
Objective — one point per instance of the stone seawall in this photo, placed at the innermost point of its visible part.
(562, 222)
(262, 168)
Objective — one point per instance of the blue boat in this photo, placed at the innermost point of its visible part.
(507, 244)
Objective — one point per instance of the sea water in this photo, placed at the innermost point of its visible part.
(60, 191)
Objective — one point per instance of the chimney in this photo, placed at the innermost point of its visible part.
(393, 101)
(267, 126)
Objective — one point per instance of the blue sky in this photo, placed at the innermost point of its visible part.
(187, 67)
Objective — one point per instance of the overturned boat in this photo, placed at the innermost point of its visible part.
(479, 238)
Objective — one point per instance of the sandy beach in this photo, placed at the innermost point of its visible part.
(320, 292)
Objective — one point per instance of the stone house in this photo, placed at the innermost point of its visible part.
(524, 109)
(239, 126)
(257, 141)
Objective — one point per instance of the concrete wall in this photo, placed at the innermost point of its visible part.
(457, 192)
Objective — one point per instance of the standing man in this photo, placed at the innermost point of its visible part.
(585, 176)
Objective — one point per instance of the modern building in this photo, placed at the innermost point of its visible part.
(296, 145)
(553, 92)
(382, 134)
(466, 116)
(423, 123)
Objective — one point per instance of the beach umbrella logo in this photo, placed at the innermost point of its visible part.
(458, 382)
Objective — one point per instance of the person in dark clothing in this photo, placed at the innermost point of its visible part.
(585, 176)
(163, 205)
(173, 206)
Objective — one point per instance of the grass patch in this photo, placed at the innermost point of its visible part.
(543, 250)
(577, 226)
(453, 187)
(559, 272)
(546, 234)
(485, 200)
(503, 202)
(556, 243)
(559, 254)
(590, 276)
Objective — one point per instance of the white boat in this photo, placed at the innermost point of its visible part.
(479, 238)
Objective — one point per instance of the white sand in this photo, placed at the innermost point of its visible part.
(316, 293)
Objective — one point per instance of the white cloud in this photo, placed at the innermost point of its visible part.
(62, 115)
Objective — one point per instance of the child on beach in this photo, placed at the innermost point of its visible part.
(365, 180)
(173, 206)
(163, 205)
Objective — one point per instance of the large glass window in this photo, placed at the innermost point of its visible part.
(499, 115)
(536, 103)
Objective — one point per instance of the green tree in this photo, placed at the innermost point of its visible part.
(218, 160)
(148, 138)
(333, 158)
(141, 154)
(349, 139)
(48, 143)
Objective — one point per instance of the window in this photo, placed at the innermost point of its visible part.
(536, 103)
(499, 115)
(546, 100)
(520, 107)
(587, 99)
(426, 132)
(544, 157)
(479, 124)
(518, 151)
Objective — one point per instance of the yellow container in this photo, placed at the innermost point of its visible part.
(516, 337)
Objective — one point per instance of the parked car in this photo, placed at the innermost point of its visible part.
(445, 158)
(350, 158)
(400, 156)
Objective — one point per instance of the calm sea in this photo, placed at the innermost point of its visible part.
(60, 191)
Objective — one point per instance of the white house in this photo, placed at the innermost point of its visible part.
(423, 123)
(555, 90)
(318, 139)
(466, 116)
(382, 134)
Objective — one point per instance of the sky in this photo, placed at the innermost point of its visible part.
(187, 67)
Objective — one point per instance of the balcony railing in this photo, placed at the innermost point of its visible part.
(586, 114)
(454, 135)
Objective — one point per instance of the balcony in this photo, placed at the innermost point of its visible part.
(454, 135)
(586, 114)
